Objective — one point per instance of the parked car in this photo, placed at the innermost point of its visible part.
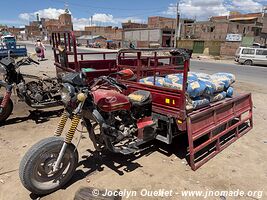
(93, 45)
(251, 56)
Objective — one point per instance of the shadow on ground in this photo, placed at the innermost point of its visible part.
(38, 116)
(122, 164)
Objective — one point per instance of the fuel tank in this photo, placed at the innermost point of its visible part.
(110, 100)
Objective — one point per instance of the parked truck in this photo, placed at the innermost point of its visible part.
(9, 47)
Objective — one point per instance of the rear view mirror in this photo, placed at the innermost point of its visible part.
(125, 74)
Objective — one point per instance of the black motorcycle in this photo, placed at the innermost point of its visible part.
(39, 94)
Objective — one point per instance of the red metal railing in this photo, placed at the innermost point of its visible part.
(211, 130)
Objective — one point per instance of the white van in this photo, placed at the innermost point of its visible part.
(251, 56)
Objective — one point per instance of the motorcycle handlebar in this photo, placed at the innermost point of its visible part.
(31, 60)
(116, 83)
(113, 82)
(22, 61)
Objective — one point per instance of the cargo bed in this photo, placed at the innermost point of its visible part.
(209, 129)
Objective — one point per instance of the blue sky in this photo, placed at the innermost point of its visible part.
(113, 12)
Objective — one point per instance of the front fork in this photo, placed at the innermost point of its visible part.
(69, 136)
(6, 98)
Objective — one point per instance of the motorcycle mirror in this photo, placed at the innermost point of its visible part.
(125, 74)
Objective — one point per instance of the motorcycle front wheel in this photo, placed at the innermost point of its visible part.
(36, 168)
(6, 112)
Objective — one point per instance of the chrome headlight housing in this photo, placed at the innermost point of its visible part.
(2, 70)
(67, 93)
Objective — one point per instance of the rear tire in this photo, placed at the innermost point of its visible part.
(248, 62)
(6, 112)
(35, 169)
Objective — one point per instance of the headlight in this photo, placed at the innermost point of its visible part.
(67, 92)
(3, 70)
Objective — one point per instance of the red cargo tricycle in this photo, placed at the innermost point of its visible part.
(120, 113)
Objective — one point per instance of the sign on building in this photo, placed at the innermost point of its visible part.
(234, 37)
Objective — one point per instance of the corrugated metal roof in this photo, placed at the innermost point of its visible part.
(243, 18)
(90, 37)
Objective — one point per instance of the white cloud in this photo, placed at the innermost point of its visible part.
(105, 18)
(25, 16)
(201, 9)
(101, 18)
(108, 18)
(51, 13)
(247, 5)
(132, 19)
(80, 23)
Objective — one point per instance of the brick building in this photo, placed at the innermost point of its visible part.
(218, 27)
(44, 27)
(109, 32)
(63, 23)
(131, 25)
(161, 22)
(159, 31)
(33, 30)
(228, 32)
(144, 38)
(16, 31)
(79, 33)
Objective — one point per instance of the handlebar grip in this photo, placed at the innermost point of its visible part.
(124, 87)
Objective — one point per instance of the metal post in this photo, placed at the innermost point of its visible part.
(177, 24)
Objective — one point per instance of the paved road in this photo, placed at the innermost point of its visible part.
(252, 74)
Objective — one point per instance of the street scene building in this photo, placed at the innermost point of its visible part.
(42, 28)
(227, 33)
(220, 35)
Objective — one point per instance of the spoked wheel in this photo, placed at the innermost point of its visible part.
(36, 168)
(6, 112)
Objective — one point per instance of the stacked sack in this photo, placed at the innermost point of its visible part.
(202, 88)
(159, 81)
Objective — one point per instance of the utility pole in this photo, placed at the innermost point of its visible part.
(177, 27)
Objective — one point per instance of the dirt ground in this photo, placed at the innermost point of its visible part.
(242, 166)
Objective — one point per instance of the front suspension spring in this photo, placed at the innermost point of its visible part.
(6, 99)
(61, 124)
(74, 124)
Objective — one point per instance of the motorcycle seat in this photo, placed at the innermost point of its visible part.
(140, 97)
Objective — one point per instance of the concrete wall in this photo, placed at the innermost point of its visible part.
(143, 35)
(142, 38)
(187, 44)
(210, 47)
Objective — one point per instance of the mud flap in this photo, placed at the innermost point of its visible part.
(212, 130)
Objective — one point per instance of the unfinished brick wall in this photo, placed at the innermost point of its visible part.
(229, 48)
(109, 32)
(161, 22)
